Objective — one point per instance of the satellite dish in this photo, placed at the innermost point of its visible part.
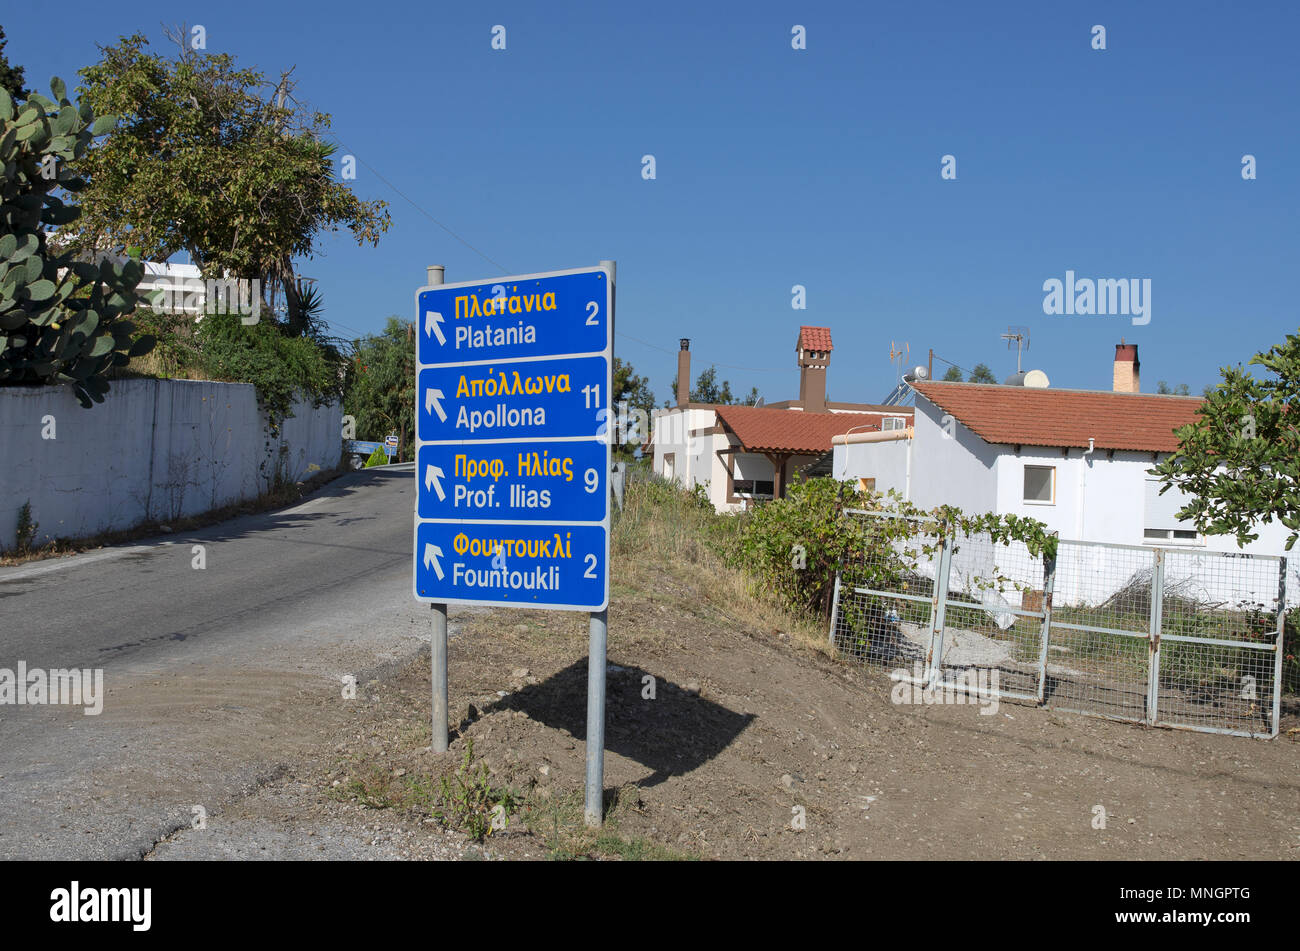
(1036, 379)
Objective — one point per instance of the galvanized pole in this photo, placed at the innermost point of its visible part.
(598, 634)
(438, 636)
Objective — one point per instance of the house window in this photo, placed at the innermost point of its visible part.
(1161, 522)
(1040, 484)
(866, 485)
(670, 459)
(753, 488)
(894, 422)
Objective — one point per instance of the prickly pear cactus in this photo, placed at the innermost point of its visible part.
(62, 320)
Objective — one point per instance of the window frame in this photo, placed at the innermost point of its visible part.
(1024, 475)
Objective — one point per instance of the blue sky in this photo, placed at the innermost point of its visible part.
(818, 167)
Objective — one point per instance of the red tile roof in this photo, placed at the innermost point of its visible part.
(815, 338)
(1028, 416)
(761, 429)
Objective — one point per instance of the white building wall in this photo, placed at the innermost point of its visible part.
(956, 469)
(886, 462)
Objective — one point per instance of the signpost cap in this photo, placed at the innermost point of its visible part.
(435, 273)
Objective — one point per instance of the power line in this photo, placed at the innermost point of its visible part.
(416, 205)
(728, 366)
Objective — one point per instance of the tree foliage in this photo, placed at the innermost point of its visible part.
(953, 375)
(12, 79)
(62, 320)
(1240, 461)
(981, 374)
(708, 390)
(380, 391)
(214, 160)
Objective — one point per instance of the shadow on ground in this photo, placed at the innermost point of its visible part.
(670, 732)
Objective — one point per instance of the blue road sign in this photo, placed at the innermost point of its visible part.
(543, 566)
(535, 482)
(508, 400)
(539, 315)
(512, 441)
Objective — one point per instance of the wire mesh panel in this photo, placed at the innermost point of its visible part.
(1099, 645)
(882, 610)
(993, 617)
(1216, 663)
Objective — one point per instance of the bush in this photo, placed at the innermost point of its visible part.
(1291, 653)
(795, 545)
(377, 458)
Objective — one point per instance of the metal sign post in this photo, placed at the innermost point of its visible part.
(513, 438)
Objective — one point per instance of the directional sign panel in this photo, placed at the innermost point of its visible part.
(513, 445)
(513, 400)
(562, 566)
(541, 481)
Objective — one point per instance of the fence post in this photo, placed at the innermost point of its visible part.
(1280, 646)
(938, 604)
(1049, 585)
(1153, 643)
(835, 608)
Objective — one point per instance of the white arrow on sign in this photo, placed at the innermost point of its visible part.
(431, 404)
(433, 325)
(431, 476)
(431, 555)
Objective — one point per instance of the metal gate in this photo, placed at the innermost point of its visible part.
(1169, 637)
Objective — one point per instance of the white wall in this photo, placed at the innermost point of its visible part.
(886, 462)
(951, 470)
(154, 449)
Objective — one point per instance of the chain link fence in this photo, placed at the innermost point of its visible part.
(1168, 637)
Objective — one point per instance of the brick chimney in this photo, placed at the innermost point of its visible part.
(1126, 368)
(684, 372)
(814, 351)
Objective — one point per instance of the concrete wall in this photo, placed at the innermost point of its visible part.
(154, 449)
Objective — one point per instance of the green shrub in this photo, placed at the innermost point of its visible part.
(377, 458)
(26, 528)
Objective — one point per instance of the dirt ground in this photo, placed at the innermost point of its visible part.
(754, 745)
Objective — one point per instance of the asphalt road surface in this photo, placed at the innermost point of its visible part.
(205, 669)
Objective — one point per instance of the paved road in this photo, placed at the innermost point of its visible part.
(212, 676)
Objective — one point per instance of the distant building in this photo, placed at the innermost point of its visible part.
(742, 453)
(1076, 460)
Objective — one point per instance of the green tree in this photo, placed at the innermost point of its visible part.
(1163, 389)
(62, 320)
(381, 385)
(707, 390)
(11, 77)
(216, 161)
(1240, 461)
(981, 374)
(630, 387)
(953, 375)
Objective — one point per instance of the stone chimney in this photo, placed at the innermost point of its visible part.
(814, 352)
(684, 372)
(1126, 368)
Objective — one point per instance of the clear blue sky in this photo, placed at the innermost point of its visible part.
(818, 167)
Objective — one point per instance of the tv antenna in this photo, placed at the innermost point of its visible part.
(1020, 337)
(899, 356)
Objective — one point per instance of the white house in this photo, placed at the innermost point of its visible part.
(1076, 460)
(744, 453)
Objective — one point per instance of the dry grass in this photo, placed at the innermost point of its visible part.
(667, 546)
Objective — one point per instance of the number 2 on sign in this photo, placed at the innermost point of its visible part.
(592, 310)
(592, 395)
(591, 567)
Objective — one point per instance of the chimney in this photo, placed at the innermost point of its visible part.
(684, 372)
(814, 352)
(1126, 368)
